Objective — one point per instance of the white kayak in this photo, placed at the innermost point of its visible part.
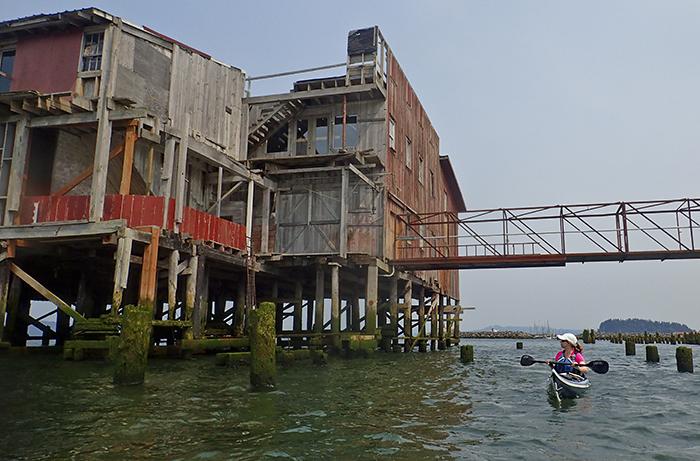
(568, 385)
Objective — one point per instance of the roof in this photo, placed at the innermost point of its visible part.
(452, 183)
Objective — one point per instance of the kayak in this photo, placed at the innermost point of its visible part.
(568, 385)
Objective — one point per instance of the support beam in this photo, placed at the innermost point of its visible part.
(441, 323)
(86, 173)
(422, 344)
(343, 246)
(394, 308)
(201, 304)
(166, 176)
(173, 262)
(355, 312)
(249, 218)
(407, 314)
(239, 313)
(433, 321)
(335, 299)
(298, 300)
(180, 174)
(121, 272)
(128, 161)
(45, 292)
(371, 299)
(4, 290)
(100, 167)
(149, 271)
(191, 293)
(17, 169)
(319, 302)
(265, 225)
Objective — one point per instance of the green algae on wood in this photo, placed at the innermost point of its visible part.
(466, 353)
(630, 347)
(684, 359)
(207, 344)
(132, 349)
(652, 354)
(262, 347)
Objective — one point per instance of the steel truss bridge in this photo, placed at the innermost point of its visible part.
(550, 235)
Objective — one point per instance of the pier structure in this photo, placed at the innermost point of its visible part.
(137, 170)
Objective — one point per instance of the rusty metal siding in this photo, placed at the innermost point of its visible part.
(47, 63)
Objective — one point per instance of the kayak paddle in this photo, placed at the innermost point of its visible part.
(599, 366)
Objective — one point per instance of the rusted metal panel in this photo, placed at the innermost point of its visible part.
(47, 63)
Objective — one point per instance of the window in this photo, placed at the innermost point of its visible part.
(92, 51)
(321, 136)
(7, 61)
(279, 141)
(351, 132)
(432, 184)
(392, 134)
(409, 152)
(421, 169)
(302, 142)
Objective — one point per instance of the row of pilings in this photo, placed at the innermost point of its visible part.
(692, 337)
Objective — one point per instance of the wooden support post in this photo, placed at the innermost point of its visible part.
(173, 262)
(17, 169)
(422, 344)
(85, 302)
(433, 321)
(180, 174)
(201, 303)
(121, 272)
(149, 271)
(298, 300)
(191, 294)
(128, 160)
(458, 319)
(319, 303)
(441, 324)
(343, 244)
(371, 299)
(4, 290)
(45, 292)
(149, 170)
(394, 309)
(407, 316)
(309, 315)
(249, 218)
(355, 311)
(239, 313)
(262, 347)
(335, 304)
(166, 177)
(133, 344)
(265, 226)
(219, 187)
(14, 296)
(274, 294)
(219, 307)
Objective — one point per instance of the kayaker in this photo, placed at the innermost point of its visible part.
(569, 355)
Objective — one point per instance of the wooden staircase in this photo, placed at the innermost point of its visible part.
(271, 118)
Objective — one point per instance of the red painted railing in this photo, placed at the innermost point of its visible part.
(137, 210)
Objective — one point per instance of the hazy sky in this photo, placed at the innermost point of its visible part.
(536, 102)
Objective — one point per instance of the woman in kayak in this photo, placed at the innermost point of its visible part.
(570, 354)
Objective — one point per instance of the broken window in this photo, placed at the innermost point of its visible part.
(321, 136)
(409, 152)
(351, 132)
(279, 141)
(92, 51)
(392, 134)
(302, 137)
(7, 60)
(421, 169)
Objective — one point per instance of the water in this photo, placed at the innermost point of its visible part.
(397, 406)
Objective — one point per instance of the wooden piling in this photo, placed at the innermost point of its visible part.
(422, 343)
(408, 312)
(132, 349)
(442, 345)
(371, 299)
(519, 345)
(652, 354)
(262, 347)
(684, 359)
(630, 347)
(466, 353)
(394, 310)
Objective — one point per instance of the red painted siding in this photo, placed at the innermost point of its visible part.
(137, 210)
(47, 63)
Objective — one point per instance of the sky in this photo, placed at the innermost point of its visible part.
(536, 102)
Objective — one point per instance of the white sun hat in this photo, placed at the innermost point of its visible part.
(569, 337)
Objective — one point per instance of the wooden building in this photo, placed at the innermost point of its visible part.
(134, 169)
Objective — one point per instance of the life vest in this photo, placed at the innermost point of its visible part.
(564, 364)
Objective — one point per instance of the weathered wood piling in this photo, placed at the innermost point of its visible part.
(466, 353)
(684, 359)
(630, 348)
(131, 354)
(262, 347)
(519, 345)
(652, 354)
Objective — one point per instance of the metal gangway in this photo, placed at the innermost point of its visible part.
(549, 235)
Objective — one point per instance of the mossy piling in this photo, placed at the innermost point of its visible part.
(684, 359)
(131, 355)
(262, 347)
(519, 345)
(466, 353)
(652, 354)
(630, 348)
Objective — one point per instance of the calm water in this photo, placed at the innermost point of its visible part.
(400, 406)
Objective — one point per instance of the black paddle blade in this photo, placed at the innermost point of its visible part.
(599, 366)
(526, 361)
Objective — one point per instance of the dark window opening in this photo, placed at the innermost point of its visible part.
(351, 132)
(92, 51)
(7, 61)
(302, 137)
(321, 136)
(279, 141)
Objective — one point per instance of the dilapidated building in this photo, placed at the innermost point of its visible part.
(136, 169)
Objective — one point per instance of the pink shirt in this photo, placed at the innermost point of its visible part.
(577, 357)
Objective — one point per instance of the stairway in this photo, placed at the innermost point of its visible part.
(271, 118)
